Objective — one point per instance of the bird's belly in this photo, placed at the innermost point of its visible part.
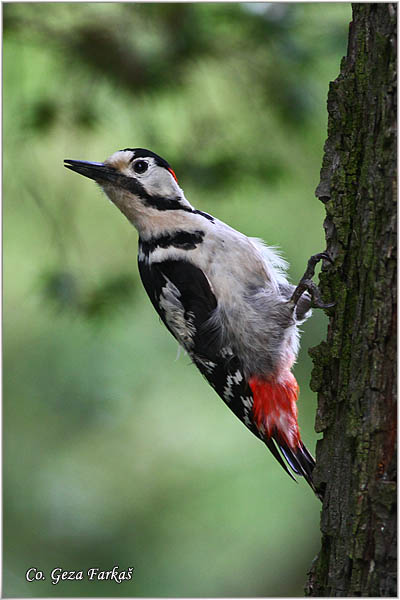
(258, 324)
(256, 320)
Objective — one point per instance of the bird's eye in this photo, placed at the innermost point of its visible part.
(140, 166)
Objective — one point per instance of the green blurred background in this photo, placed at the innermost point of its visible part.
(116, 453)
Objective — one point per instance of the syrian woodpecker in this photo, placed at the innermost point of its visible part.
(223, 296)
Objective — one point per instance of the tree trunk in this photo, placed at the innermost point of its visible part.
(355, 369)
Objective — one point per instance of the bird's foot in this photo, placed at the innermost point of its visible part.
(307, 285)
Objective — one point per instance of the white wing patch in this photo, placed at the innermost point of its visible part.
(179, 323)
(247, 402)
(226, 352)
(231, 380)
(208, 365)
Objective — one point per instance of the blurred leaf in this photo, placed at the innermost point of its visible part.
(61, 289)
(65, 292)
(113, 293)
(44, 113)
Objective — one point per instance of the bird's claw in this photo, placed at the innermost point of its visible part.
(306, 283)
(313, 261)
(324, 256)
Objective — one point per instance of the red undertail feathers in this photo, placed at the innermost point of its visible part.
(275, 415)
(275, 408)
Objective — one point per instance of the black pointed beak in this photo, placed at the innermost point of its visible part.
(97, 171)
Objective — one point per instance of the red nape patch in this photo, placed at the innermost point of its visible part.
(173, 174)
(275, 409)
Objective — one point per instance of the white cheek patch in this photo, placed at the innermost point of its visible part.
(160, 182)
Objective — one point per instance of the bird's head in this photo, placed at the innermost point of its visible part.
(138, 181)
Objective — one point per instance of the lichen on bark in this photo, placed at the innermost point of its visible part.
(355, 368)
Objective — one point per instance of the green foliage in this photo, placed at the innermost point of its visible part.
(113, 452)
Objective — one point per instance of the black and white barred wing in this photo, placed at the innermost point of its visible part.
(182, 296)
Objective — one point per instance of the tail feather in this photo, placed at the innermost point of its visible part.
(270, 443)
(300, 460)
(275, 416)
(290, 461)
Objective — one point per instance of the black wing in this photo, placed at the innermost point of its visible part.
(182, 296)
(181, 288)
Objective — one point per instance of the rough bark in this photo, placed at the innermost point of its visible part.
(355, 369)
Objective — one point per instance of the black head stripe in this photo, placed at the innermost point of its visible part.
(143, 153)
(157, 202)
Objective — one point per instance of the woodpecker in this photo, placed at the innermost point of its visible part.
(225, 297)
